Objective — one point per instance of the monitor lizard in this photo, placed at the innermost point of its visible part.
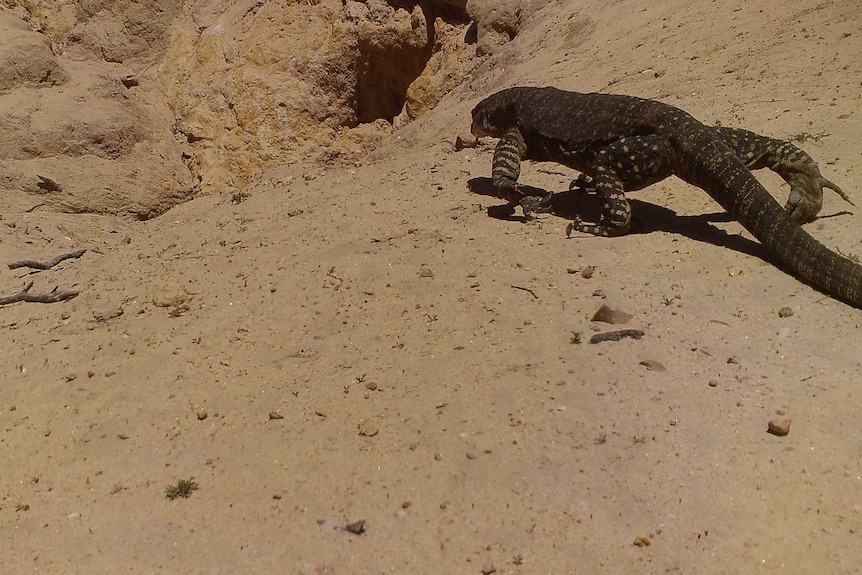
(624, 143)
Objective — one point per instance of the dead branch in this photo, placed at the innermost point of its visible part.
(47, 265)
(25, 295)
(528, 290)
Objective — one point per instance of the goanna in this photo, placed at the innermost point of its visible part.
(624, 143)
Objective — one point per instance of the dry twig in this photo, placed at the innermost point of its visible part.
(46, 265)
(528, 290)
(25, 295)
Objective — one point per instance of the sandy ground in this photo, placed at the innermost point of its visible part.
(366, 343)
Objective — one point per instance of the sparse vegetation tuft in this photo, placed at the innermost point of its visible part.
(803, 137)
(183, 488)
(239, 197)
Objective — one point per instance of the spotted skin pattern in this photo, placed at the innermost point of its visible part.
(791, 163)
(643, 162)
(626, 165)
(622, 143)
(640, 161)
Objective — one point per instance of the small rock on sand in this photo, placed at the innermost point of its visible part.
(779, 427)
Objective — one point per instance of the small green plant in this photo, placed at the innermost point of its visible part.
(360, 379)
(803, 137)
(575, 338)
(518, 559)
(239, 197)
(183, 488)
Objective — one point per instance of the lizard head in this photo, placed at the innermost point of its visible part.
(493, 116)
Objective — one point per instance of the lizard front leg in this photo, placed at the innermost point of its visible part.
(506, 168)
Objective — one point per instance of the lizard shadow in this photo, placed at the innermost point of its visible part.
(646, 217)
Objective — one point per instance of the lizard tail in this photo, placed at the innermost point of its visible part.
(711, 166)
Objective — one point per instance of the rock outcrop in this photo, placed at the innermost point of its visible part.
(132, 106)
(76, 138)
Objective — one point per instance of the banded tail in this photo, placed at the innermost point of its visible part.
(710, 165)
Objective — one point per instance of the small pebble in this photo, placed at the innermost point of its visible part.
(275, 415)
(465, 142)
(357, 527)
(607, 314)
(779, 427)
(785, 312)
(170, 294)
(488, 568)
(653, 365)
(712, 383)
(202, 415)
(372, 385)
(587, 272)
(108, 314)
(426, 273)
(368, 429)
(616, 335)
(642, 542)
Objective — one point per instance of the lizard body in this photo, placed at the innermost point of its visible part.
(624, 143)
(645, 163)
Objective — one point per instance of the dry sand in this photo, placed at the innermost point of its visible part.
(365, 342)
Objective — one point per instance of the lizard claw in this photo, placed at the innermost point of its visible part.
(806, 195)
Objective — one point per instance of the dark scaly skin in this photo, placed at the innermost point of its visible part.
(606, 136)
(794, 165)
(641, 161)
(646, 166)
(506, 168)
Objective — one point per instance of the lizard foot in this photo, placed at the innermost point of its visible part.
(535, 204)
(806, 195)
(530, 205)
(538, 205)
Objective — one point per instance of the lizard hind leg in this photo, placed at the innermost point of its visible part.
(615, 219)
